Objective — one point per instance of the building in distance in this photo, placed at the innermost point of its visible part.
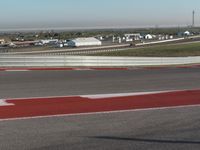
(78, 42)
(2, 41)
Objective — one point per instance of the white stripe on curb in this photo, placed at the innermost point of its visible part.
(100, 96)
(82, 69)
(4, 103)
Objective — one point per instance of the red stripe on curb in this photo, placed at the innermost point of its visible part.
(96, 68)
(13, 69)
(76, 105)
(156, 67)
(110, 68)
(195, 66)
(1, 69)
(185, 67)
(50, 69)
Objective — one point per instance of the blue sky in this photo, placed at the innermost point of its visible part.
(96, 13)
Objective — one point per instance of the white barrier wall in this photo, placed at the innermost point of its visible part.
(67, 61)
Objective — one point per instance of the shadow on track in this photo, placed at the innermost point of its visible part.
(147, 140)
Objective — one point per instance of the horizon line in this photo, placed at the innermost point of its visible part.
(91, 28)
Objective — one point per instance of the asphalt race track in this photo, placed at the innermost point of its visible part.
(167, 128)
(24, 84)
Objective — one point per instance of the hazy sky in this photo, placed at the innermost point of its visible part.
(96, 13)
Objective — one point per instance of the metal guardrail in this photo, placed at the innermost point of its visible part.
(73, 61)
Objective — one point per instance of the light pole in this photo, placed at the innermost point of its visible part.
(193, 18)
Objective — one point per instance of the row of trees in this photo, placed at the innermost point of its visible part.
(63, 35)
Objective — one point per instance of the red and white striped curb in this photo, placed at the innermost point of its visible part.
(95, 68)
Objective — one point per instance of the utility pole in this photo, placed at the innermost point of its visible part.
(193, 18)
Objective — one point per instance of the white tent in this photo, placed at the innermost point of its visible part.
(148, 37)
(2, 41)
(187, 33)
(91, 41)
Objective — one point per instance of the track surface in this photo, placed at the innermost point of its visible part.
(151, 129)
(63, 83)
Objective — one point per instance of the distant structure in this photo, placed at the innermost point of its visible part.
(132, 37)
(119, 39)
(187, 33)
(91, 41)
(113, 39)
(148, 37)
(46, 42)
(193, 18)
(2, 41)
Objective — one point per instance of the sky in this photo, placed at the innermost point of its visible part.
(41, 14)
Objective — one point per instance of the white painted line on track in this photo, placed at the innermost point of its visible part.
(99, 113)
(4, 103)
(100, 96)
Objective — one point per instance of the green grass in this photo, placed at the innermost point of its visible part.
(159, 51)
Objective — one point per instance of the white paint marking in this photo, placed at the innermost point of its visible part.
(82, 69)
(100, 96)
(4, 103)
(99, 113)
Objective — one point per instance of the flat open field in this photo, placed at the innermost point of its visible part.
(181, 50)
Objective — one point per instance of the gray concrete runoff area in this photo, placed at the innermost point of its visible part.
(73, 61)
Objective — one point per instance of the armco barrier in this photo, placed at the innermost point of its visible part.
(73, 61)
